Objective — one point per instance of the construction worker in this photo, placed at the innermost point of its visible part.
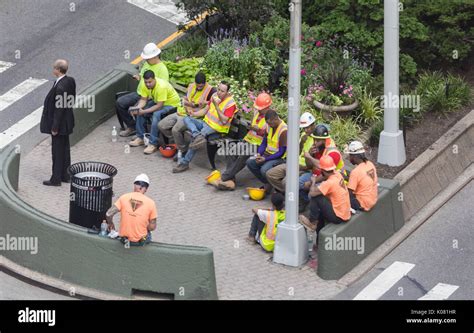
(198, 94)
(323, 145)
(218, 115)
(363, 179)
(277, 176)
(330, 202)
(265, 222)
(151, 55)
(272, 150)
(137, 213)
(250, 143)
(165, 97)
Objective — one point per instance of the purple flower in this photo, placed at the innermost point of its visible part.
(318, 43)
(303, 71)
(245, 108)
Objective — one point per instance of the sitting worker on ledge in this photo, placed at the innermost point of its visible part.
(137, 214)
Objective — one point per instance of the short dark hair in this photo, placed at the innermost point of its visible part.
(200, 78)
(361, 156)
(149, 74)
(227, 84)
(271, 114)
(142, 184)
(278, 200)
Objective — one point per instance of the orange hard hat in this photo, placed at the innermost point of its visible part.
(263, 101)
(326, 163)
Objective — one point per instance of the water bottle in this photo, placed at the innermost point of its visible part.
(103, 229)
(310, 240)
(114, 134)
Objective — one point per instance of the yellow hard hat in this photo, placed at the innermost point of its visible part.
(256, 193)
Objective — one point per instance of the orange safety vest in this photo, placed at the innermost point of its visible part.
(273, 141)
(213, 120)
(252, 136)
(197, 96)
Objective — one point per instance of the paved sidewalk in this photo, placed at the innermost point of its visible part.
(243, 271)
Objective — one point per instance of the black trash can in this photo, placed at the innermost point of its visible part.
(91, 192)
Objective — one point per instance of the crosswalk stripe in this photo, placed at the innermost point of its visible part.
(4, 65)
(384, 281)
(20, 128)
(19, 91)
(165, 10)
(439, 292)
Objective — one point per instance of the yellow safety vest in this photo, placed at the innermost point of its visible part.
(267, 237)
(197, 96)
(213, 120)
(330, 146)
(273, 141)
(306, 147)
(252, 136)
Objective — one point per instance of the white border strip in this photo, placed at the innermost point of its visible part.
(439, 292)
(4, 65)
(19, 91)
(386, 280)
(20, 128)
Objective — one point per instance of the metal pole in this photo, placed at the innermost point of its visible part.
(391, 147)
(291, 246)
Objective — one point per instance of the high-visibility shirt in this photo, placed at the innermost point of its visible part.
(197, 96)
(212, 118)
(306, 147)
(164, 92)
(331, 150)
(363, 182)
(160, 70)
(273, 139)
(271, 218)
(252, 136)
(336, 191)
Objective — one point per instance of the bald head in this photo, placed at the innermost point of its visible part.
(61, 66)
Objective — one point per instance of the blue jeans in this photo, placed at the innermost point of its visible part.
(156, 117)
(260, 170)
(306, 177)
(196, 126)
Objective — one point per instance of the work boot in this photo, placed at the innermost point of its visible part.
(180, 168)
(150, 149)
(136, 143)
(251, 239)
(228, 185)
(128, 132)
(307, 223)
(198, 142)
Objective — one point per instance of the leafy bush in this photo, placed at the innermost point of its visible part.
(280, 105)
(192, 45)
(441, 93)
(369, 108)
(183, 71)
(343, 131)
(239, 91)
(376, 129)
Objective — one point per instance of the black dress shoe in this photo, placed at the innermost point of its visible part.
(49, 183)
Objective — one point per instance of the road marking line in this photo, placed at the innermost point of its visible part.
(384, 281)
(19, 91)
(20, 128)
(167, 11)
(439, 292)
(4, 65)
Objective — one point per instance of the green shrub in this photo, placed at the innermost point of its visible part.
(183, 71)
(280, 105)
(369, 108)
(343, 131)
(192, 45)
(376, 129)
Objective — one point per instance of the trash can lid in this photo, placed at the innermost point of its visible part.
(90, 174)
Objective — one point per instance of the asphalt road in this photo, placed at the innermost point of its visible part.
(94, 37)
(442, 251)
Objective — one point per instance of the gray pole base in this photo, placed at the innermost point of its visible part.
(291, 245)
(391, 149)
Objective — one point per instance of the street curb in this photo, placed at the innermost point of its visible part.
(410, 226)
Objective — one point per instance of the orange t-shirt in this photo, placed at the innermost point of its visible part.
(137, 210)
(336, 191)
(363, 182)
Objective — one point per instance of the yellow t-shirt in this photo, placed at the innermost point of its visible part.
(306, 147)
(136, 210)
(162, 92)
(160, 70)
(363, 182)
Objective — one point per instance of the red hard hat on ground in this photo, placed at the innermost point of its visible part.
(263, 101)
(326, 163)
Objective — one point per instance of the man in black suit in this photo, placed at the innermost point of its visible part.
(58, 120)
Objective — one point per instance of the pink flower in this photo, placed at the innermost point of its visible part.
(303, 71)
(309, 98)
(341, 86)
(350, 87)
(318, 43)
(350, 95)
(315, 66)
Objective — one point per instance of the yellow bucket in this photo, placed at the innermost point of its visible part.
(256, 193)
(215, 175)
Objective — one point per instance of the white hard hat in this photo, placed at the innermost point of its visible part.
(150, 51)
(142, 178)
(356, 147)
(306, 119)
